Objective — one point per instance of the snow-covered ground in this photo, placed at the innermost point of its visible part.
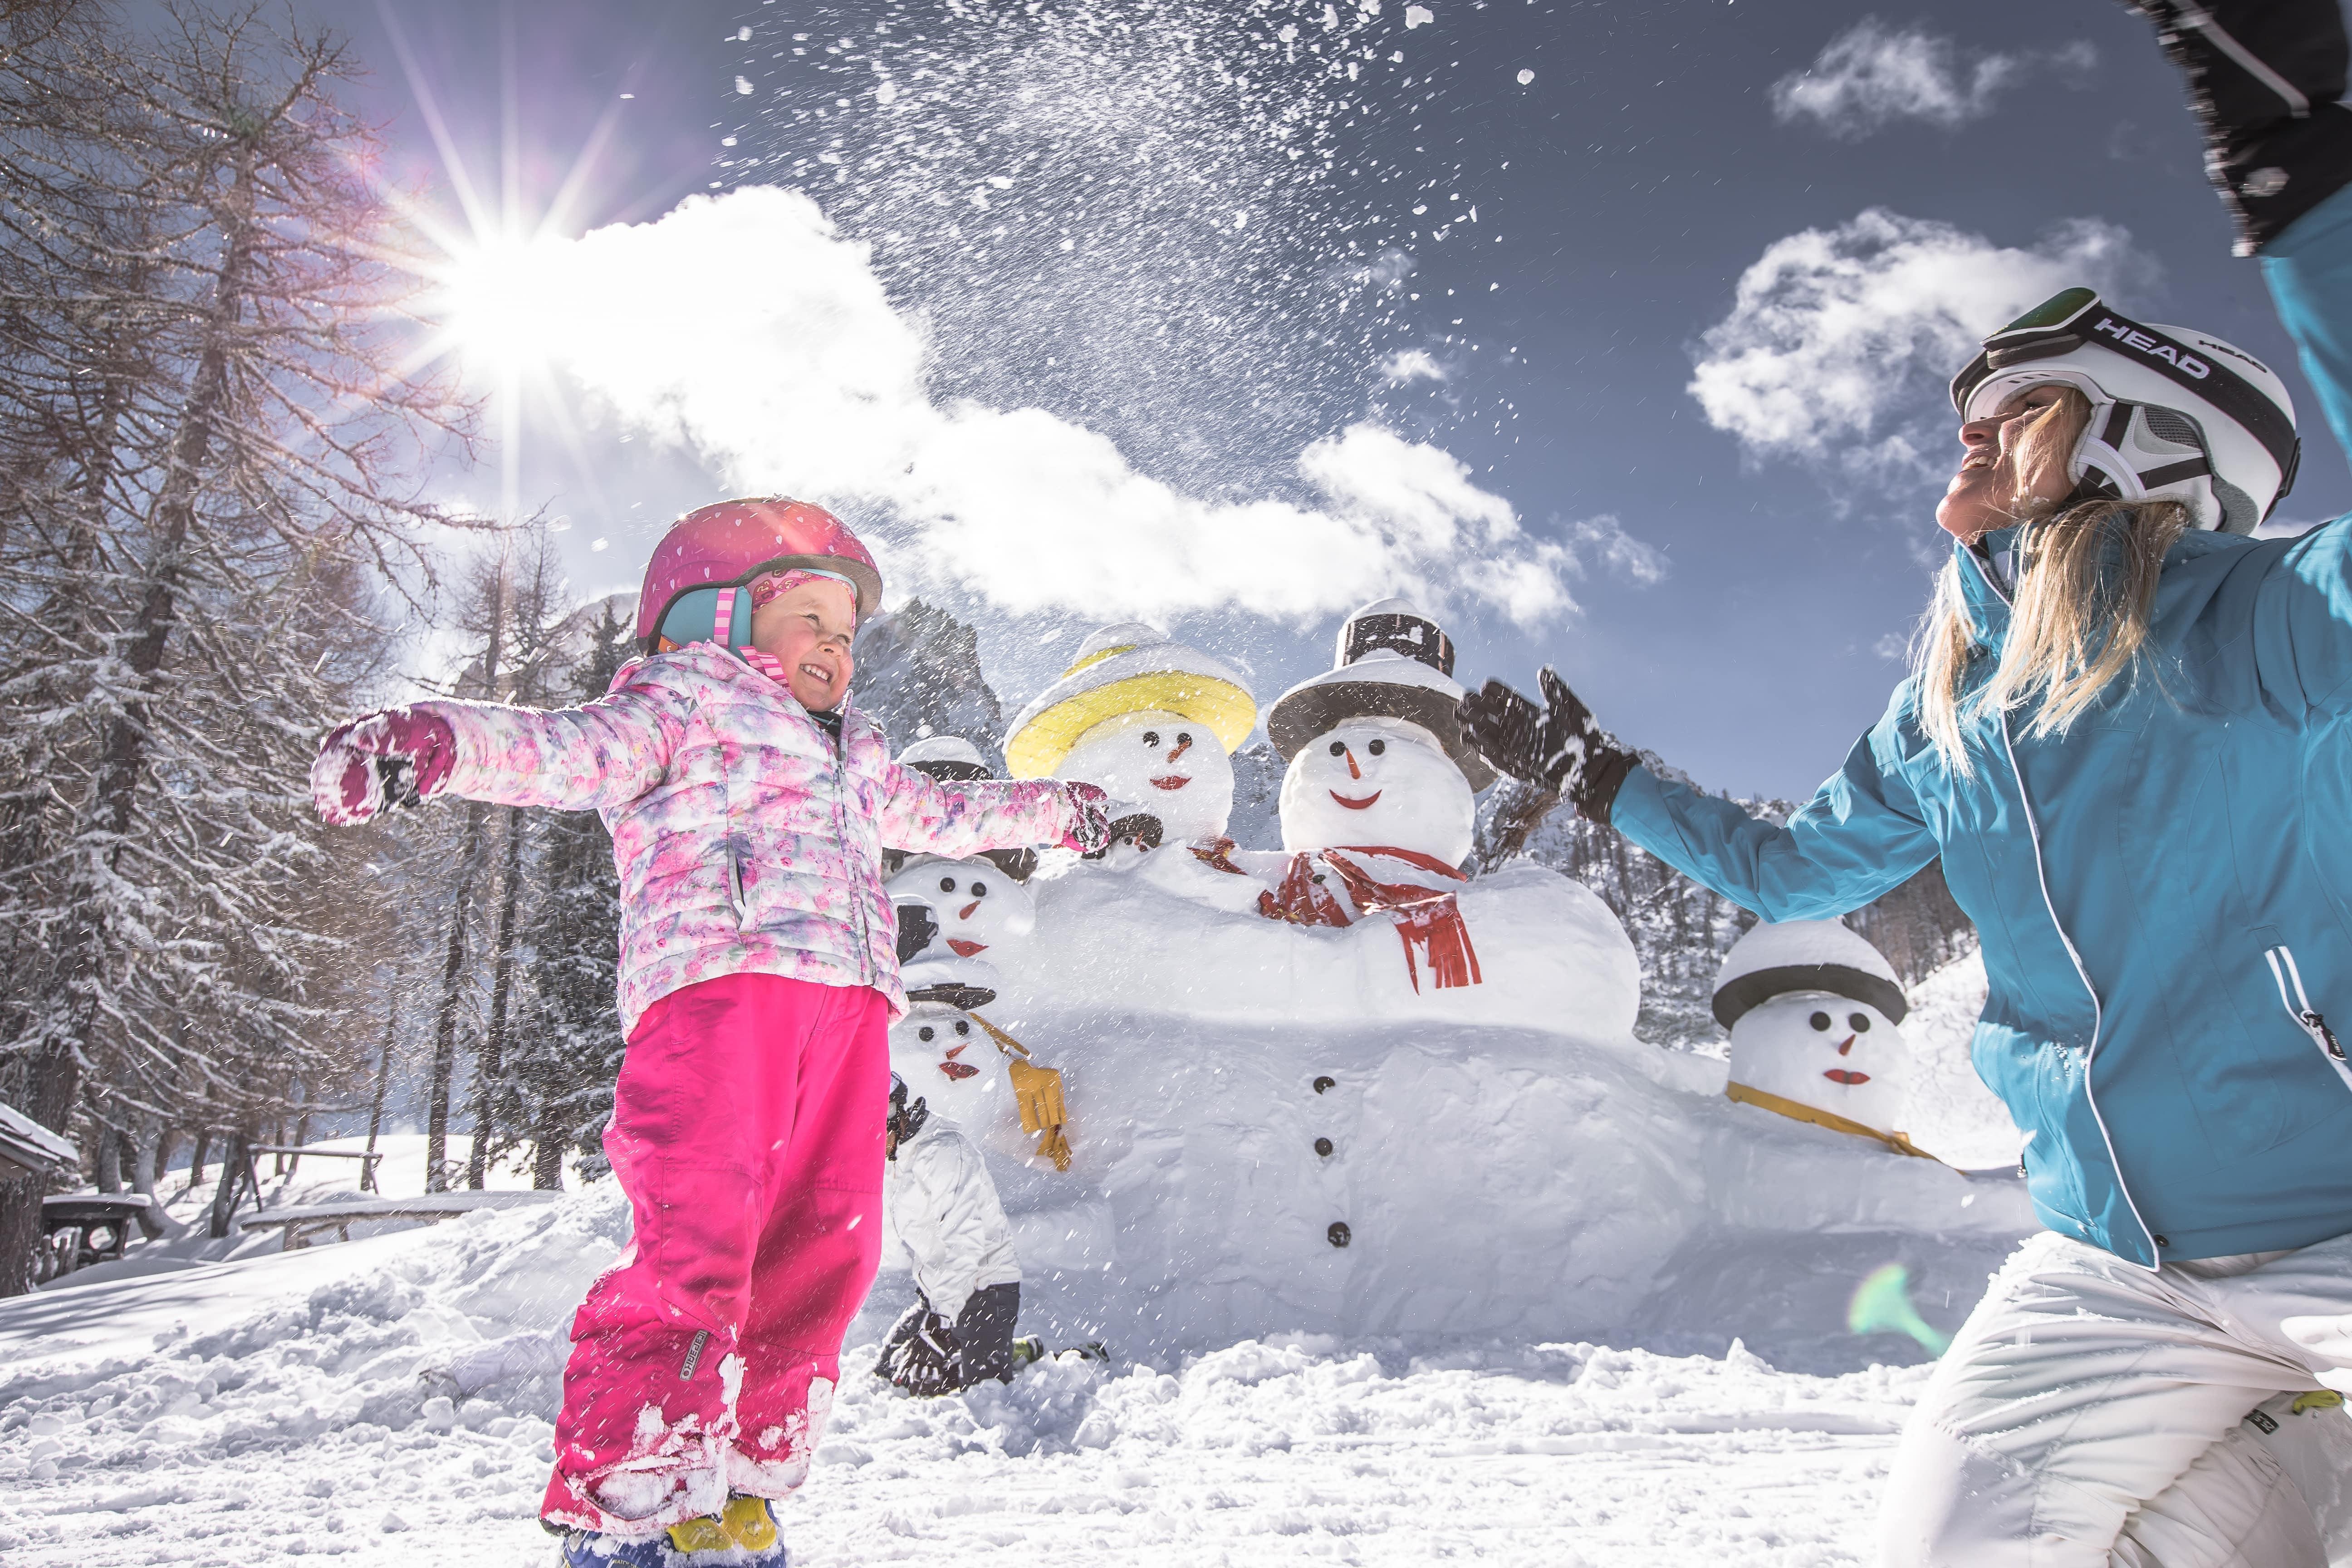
(1545, 1222)
(271, 1410)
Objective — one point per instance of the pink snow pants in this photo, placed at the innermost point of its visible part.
(747, 1132)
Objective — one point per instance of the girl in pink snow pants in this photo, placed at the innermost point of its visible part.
(748, 806)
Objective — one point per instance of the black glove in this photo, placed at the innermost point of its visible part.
(1557, 747)
(2263, 77)
(921, 1354)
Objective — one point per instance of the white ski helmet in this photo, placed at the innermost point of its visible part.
(2176, 415)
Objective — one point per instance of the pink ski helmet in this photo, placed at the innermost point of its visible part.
(729, 542)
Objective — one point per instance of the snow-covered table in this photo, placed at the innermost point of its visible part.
(307, 1220)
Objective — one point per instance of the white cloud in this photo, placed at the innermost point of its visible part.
(1408, 366)
(1602, 541)
(745, 327)
(1839, 341)
(1871, 75)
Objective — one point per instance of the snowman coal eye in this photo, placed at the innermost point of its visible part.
(925, 1033)
(1184, 737)
(980, 890)
(1860, 1022)
(947, 884)
(1821, 1021)
(1377, 747)
(1152, 738)
(1338, 748)
(963, 1027)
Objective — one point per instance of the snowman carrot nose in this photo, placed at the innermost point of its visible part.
(1845, 1046)
(965, 913)
(1353, 771)
(1183, 744)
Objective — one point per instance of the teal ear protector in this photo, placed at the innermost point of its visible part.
(722, 616)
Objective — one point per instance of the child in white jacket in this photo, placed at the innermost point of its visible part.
(940, 1206)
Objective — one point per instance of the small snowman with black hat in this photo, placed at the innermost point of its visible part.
(937, 1046)
(1812, 1010)
(943, 1046)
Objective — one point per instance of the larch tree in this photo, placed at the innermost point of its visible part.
(211, 429)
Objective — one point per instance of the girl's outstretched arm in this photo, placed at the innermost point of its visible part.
(603, 754)
(960, 820)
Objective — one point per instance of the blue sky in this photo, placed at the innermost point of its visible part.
(1741, 567)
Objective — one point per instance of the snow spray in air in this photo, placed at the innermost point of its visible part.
(1182, 224)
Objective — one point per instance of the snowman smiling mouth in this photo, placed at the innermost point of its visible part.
(1170, 781)
(1352, 804)
(1842, 1075)
(963, 948)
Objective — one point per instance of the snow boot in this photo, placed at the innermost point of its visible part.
(744, 1536)
(1026, 1349)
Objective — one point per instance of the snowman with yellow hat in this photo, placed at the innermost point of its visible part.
(1147, 720)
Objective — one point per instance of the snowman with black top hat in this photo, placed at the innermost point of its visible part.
(1378, 800)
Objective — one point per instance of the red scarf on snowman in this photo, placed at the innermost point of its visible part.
(1417, 890)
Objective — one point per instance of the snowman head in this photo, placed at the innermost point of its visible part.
(948, 1060)
(1172, 767)
(1826, 1051)
(975, 904)
(1379, 783)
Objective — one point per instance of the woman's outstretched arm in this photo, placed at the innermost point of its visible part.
(1859, 836)
(2265, 77)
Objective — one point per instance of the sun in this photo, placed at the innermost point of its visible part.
(495, 304)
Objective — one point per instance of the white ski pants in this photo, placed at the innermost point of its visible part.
(2093, 1414)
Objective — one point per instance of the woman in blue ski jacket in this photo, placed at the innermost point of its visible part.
(2126, 740)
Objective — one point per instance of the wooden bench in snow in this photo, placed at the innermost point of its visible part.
(308, 1220)
(366, 1157)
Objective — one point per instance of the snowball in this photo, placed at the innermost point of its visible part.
(1525, 77)
(1415, 16)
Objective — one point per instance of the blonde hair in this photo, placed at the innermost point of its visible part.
(2079, 615)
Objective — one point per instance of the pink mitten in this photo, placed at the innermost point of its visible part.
(1090, 817)
(401, 756)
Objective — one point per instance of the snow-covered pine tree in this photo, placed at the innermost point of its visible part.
(207, 422)
(567, 1044)
(541, 622)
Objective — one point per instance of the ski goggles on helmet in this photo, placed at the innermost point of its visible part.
(723, 614)
(2076, 320)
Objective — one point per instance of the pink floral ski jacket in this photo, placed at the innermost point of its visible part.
(747, 843)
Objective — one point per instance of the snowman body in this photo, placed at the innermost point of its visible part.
(1159, 763)
(1824, 1052)
(1373, 782)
